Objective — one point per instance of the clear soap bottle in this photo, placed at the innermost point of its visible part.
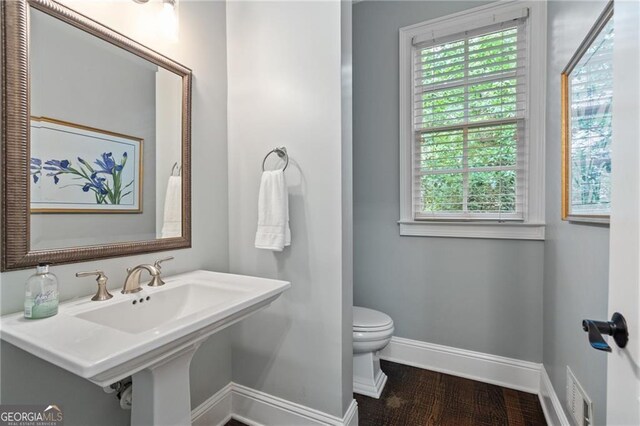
(41, 295)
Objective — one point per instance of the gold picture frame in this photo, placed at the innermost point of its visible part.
(88, 131)
(598, 214)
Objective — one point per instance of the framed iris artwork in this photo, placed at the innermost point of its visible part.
(587, 99)
(79, 169)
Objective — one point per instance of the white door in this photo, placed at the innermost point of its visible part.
(623, 369)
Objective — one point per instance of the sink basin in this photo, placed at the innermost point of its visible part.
(150, 335)
(166, 307)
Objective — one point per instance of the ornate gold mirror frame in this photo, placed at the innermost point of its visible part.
(16, 252)
(586, 52)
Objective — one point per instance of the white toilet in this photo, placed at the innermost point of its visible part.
(372, 331)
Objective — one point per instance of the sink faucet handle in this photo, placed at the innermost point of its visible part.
(158, 262)
(102, 293)
(156, 280)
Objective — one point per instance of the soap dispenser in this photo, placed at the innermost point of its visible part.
(41, 295)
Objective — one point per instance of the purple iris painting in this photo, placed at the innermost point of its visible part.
(79, 169)
(36, 169)
(102, 176)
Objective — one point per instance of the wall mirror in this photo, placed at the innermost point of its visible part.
(587, 96)
(95, 140)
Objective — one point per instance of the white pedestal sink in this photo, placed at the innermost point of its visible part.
(151, 336)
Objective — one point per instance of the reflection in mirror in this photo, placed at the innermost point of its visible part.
(587, 99)
(105, 136)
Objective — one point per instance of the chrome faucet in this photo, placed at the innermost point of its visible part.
(132, 282)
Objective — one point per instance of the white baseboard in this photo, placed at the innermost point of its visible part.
(215, 411)
(551, 406)
(507, 372)
(261, 408)
(256, 408)
(351, 416)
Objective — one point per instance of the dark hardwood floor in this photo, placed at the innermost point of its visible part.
(414, 396)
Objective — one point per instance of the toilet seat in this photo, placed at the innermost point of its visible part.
(372, 329)
(373, 336)
(371, 326)
(369, 320)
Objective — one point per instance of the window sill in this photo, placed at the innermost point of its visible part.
(494, 230)
(595, 220)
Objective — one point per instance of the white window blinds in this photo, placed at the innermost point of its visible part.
(470, 115)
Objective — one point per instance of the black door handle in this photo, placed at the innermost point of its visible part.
(617, 328)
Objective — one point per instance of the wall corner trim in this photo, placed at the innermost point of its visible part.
(551, 406)
(257, 408)
(507, 372)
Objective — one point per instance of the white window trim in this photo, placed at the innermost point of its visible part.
(533, 227)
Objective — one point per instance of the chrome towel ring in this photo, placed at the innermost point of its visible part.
(282, 153)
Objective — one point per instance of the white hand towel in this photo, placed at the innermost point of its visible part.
(273, 212)
(172, 225)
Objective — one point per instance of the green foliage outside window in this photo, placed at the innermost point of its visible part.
(468, 124)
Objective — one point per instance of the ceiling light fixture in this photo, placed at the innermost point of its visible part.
(168, 18)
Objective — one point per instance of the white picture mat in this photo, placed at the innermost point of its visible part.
(59, 141)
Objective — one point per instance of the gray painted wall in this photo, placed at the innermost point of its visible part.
(201, 46)
(285, 89)
(481, 295)
(576, 257)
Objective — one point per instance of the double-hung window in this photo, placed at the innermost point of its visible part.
(467, 121)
